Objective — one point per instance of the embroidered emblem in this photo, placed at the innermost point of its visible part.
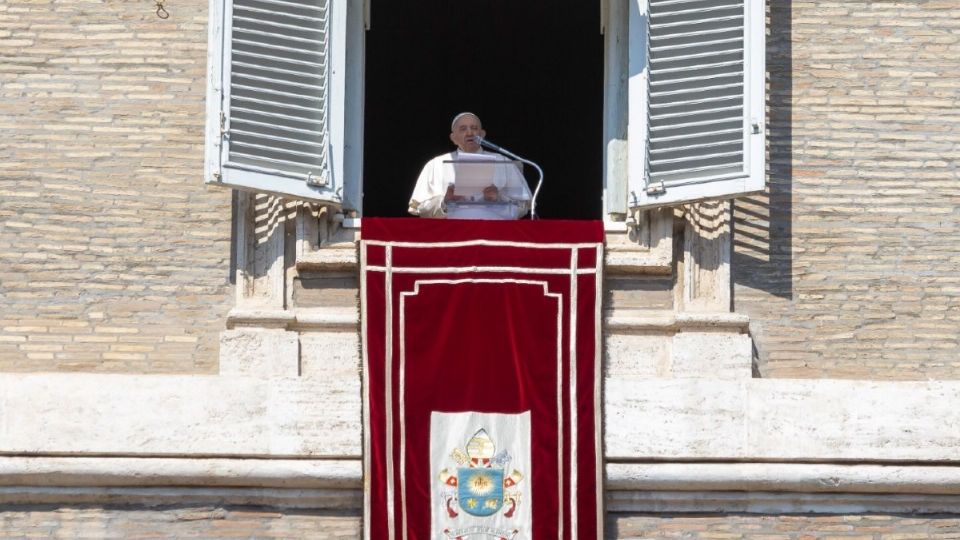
(480, 486)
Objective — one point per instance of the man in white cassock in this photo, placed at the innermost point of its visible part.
(435, 186)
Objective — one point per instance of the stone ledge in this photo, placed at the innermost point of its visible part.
(260, 318)
(784, 477)
(337, 484)
(637, 262)
(342, 319)
(324, 499)
(346, 474)
(618, 259)
(35, 471)
(782, 488)
(670, 321)
(753, 502)
(336, 257)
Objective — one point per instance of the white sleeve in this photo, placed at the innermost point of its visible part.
(427, 198)
(431, 208)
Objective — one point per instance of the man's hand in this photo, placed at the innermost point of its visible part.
(449, 196)
(491, 194)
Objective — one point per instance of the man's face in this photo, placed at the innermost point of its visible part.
(466, 134)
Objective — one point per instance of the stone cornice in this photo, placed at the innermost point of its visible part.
(337, 483)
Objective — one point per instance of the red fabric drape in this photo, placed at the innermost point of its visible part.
(485, 317)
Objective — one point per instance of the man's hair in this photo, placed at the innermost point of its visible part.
(461, 115)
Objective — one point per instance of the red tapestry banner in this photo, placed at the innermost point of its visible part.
(481, 351)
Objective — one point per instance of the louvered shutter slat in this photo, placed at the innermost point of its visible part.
(256, 112)
(276, 137)
(293, 84)
(285, 105)
(713, 65)
(240, 53)
(689, 26)
(320, 7)
(286, 150)
(273, 35)
(279, 48)
(269, 126)
(706, 134)
(664, 48)
(702, 77)
(704, 113)
(262, 158)
(293, 74)
(251, 9)
(290, 95)
(272, 24)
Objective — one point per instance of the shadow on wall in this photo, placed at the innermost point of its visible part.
(762, 225)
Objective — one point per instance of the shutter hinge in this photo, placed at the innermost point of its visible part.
(755, 126)
(656, 188)
(316, 180)
(223, 123)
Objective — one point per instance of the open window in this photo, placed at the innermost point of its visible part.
(696, 100)
(532, 71)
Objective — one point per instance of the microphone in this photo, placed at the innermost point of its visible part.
(533, 201)
(487, 144)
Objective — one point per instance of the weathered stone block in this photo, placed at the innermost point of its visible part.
(259, 352)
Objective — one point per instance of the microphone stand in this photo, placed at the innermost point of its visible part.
(533, 201)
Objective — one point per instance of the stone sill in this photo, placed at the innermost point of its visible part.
(338, 257)
(336, 319)
(637, 262)
(617, 260)
(348, 319)
(670, 321)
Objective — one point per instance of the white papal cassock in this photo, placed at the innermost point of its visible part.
(439, 173)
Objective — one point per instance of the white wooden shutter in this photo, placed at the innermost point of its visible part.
(696, 100)
(269, 102)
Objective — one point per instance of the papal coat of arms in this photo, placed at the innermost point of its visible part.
(481, 486)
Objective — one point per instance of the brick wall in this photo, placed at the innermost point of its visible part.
(113, 255)
(43, 521)
(789, 527)
(849, 266)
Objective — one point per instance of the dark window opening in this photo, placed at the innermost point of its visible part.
(532, 70)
